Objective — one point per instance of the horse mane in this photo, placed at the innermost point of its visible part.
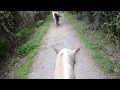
(68, 64)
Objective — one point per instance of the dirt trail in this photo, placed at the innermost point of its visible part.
(62, 36)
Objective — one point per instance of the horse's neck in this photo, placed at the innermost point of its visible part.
(67, 66)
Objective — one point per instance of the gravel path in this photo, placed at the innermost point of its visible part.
(62, 36)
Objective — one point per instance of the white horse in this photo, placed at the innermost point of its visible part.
(65, 61)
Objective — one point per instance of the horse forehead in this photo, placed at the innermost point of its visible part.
(66, 50)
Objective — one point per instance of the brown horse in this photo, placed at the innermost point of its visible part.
(65, 61)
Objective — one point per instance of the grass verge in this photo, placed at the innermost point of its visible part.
(29, 49)
(94, 41)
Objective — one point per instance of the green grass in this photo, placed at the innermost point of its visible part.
(92, 42)
(29, 49)
(10, 43)
(24, 31)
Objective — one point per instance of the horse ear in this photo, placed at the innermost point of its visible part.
(76, 50)
(56, 50)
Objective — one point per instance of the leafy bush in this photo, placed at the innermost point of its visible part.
(108, 21)
(15, 27)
